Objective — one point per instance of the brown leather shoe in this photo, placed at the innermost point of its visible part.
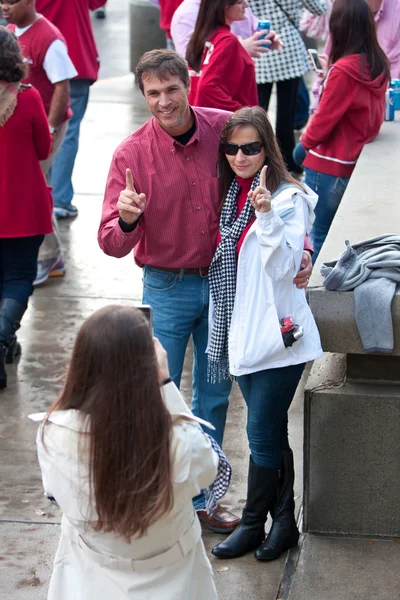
(220, 521)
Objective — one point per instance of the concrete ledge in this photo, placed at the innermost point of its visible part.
(334, 315)
(370, 207)
(351, 453)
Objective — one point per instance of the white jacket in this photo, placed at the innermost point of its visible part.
(269, 259)
(169, 562)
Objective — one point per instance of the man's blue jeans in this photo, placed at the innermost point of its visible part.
(180, 310)
(330, 190)
(268, 395)
(63, 165)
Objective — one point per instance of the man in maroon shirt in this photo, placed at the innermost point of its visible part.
(162, 200)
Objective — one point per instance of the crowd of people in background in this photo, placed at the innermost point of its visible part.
(226, 264)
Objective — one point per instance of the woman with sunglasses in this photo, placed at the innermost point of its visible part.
(223, 73)
(265, 216)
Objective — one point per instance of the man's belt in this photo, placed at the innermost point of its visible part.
(202, 271)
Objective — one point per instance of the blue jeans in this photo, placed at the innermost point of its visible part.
(18, 267)
(330, 190)
(63, 165)
(299, 154)
(180, 310)
(268, 395)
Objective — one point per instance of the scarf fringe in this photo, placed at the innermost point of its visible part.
(218, 370)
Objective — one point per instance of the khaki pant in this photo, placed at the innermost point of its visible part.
(51, 246)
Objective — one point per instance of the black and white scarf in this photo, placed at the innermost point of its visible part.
(222, 279)
(221, 483)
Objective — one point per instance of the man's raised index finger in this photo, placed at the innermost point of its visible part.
(129, 181)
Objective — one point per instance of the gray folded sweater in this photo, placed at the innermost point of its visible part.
(372, 269)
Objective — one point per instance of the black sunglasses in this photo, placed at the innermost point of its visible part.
(249, 149)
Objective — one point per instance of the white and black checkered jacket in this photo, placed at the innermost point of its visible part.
(292, 60)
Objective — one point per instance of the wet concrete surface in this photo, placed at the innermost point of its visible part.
(343, 568)
(28, 522)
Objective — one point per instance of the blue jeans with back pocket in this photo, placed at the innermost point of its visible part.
(180, 309)
(330, 190)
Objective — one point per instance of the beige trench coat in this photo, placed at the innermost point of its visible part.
(169, 562)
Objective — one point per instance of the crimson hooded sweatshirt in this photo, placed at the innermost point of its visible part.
(349, 115)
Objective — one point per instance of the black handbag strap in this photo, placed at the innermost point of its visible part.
(289, 17)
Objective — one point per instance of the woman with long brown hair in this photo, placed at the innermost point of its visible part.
(350, 112)
(223, 73)
(262, 331)
(123, 457)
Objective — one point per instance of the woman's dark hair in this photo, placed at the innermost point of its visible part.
(113, 378)
(12, 65)
(277, 170)
(163, 64)
(211, 16)
(353, 31)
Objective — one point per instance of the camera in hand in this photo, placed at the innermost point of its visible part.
(290, 331)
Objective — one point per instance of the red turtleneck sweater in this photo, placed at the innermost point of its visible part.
(245, 185)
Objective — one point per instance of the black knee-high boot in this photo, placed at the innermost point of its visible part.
(11, 313)
(284, 533)
(261, 495)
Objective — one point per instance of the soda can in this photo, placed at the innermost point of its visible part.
(389, 105)
(264, 26)
(395, 84)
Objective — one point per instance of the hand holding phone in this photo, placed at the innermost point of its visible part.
(316, 63)
(148, 313)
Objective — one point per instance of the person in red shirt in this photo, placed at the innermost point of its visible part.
(50, 69)
(72, 18)
(162, 200)
(224, 74)
(167, 9)
(26, 204)
(350, 112)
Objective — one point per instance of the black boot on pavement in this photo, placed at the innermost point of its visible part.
(11, 313)
(261, 495)
(283, 534)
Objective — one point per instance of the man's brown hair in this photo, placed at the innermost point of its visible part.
(163, 64)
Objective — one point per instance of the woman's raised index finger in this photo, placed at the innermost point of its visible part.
(263, 176)
(129, 181)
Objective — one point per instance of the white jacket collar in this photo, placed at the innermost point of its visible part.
(71, 419)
